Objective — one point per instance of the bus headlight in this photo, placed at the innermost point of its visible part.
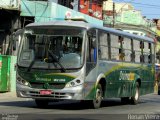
(22, 82)
(74, 83)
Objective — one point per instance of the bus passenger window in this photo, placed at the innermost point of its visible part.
(149, 59)
(92, 46)
(150, 53)
(141, 44)
(121, 55)
(114, 44)
(127, 49)
(142, 58)
(133, 56)
(137, 50)
(93, 50)
(103, 52)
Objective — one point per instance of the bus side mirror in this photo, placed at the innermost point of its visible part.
(13, 38)
(14, 44)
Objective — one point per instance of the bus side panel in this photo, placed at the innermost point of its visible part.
(147, 82)
(121, 79)
(90, 83)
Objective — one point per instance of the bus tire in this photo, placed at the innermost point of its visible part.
(158, 92)
(135, 98)
(41, 103)
(98, 97)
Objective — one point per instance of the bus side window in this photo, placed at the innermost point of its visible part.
(127, 49)
(137, 50)
(133, 56)
(103, 52)
(92, 46)
(121, 56)
(142, 58)
(114, 47)
(153, 53)
(93, 50)
(141, 45)
(150, 53)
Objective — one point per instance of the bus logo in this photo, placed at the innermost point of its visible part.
(46, 86)
(126, 76)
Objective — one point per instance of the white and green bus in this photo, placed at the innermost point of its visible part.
(74, 60)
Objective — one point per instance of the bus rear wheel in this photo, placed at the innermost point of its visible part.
(135, 98)
(41, 103)
(98, 97)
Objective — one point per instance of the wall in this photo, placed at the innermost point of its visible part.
(93, 9)
(12, 85)
(47, 11)
(108, 6)
(10, 4)
(4, 73)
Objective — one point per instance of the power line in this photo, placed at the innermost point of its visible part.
(125, 5)
(151, 14)
(150, 5)
(144, 5)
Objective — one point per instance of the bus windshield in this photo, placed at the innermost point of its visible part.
(52, 48)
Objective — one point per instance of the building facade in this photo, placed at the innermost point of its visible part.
(123, 16)
(9, 14)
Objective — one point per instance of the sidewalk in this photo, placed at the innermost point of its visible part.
(7, 95)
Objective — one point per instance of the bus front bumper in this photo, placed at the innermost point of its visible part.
(72, 93)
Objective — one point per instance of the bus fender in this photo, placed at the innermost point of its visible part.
(101, 80)
(134, 84)
(100, 76)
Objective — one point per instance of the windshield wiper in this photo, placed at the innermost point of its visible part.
(55, 59)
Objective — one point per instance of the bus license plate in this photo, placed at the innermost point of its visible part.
(45, 92)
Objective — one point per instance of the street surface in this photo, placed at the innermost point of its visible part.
(20, 108)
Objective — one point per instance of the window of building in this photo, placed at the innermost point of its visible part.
(66, 3)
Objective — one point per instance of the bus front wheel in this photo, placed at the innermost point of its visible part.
(98, 97)
(41, 103)
(135, 98)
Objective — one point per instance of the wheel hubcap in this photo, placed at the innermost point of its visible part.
(137, 94)
(98, 96)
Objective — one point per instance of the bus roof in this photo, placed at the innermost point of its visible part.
(88, 26)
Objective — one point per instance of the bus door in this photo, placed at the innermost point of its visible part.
(91, 54)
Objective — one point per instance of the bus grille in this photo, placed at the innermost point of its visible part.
(53, 95)
(51, 85)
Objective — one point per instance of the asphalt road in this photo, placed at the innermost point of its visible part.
(20, 108)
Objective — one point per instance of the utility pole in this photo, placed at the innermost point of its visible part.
(113, 14)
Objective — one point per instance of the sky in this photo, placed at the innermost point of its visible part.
(148, 8)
